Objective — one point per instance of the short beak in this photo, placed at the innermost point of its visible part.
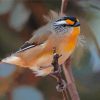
(77, 24)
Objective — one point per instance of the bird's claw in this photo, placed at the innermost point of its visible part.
(61, 86)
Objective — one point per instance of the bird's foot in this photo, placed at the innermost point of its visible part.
(57, 68)
(61, 86)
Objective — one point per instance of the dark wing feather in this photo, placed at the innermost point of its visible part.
(26, 46)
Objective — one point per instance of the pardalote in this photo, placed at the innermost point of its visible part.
(37, 53)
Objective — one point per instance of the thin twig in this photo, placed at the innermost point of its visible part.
(65, 95)
(63, 7)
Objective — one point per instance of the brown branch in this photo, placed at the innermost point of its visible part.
(70, 80)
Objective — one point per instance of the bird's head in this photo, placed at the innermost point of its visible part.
(66, 24)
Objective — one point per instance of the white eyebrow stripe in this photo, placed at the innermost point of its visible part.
(25, 48)
(59, 22)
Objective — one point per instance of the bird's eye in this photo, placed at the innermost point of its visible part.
(64, 25)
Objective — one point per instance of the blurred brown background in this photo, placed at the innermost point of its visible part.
(18, 19)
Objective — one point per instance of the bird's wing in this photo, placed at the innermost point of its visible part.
(39, 37)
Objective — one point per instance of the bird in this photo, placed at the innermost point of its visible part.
(37, 53)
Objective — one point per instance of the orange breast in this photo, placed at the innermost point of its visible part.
(72, 40)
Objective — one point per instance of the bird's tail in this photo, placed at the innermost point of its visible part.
(13, 60)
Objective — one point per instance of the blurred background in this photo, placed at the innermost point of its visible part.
(18, 19)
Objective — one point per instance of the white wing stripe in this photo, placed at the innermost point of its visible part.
(25, 48)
